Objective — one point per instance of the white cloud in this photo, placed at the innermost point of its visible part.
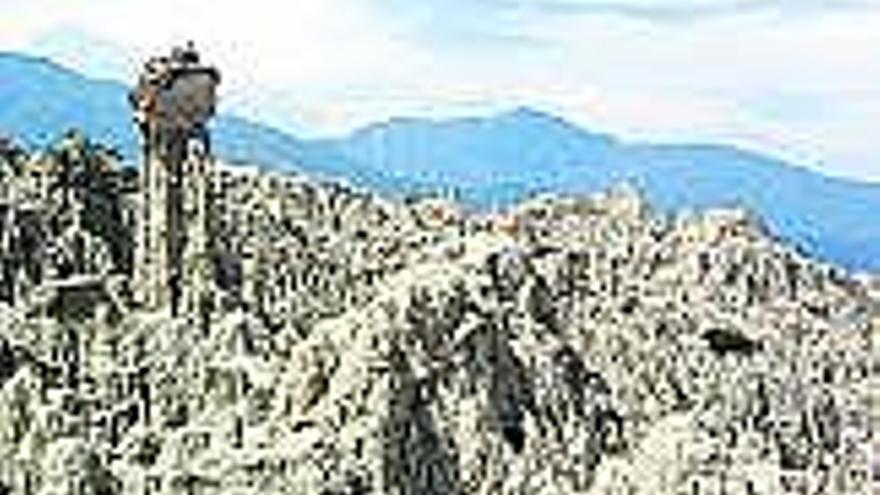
(267, 41)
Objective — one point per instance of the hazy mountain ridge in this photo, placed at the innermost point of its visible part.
(42, 100)
(491, 161)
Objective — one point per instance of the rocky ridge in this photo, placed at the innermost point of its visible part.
(579, 345)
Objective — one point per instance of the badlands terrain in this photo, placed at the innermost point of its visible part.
(568, 345)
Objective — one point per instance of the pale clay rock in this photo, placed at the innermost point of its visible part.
(570, 345)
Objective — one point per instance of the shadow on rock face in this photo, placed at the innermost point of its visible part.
(723, 341)
(417, 459)
(8, 363)
(510, 395)
(98, 479)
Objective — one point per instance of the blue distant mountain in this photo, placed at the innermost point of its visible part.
(40, 100)
(486, 162)
(496, 160)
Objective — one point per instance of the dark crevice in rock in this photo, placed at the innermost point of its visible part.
(515, 436)
(417, 459)
(722, 341)
(8, 362)
(541, 304)
(148, 450)
(510, 393)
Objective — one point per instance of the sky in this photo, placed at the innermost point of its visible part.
(796, 78)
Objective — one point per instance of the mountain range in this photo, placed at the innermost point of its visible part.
(486, 162)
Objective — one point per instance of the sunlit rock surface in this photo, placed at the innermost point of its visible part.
(362, 346)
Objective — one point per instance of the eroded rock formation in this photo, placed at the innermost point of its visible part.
(568, 346)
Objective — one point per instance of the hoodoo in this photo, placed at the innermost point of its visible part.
(174, 99)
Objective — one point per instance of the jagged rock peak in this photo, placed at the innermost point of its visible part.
(568, 346)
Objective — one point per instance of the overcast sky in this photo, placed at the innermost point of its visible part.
(798, 78)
